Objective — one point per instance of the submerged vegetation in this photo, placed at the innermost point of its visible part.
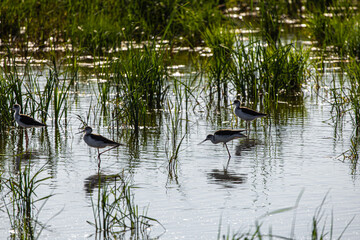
(124, 53)
(140, 79)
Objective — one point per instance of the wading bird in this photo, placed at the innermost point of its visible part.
(25, 121)
(246, 114)
(224, 136)
(98, 141)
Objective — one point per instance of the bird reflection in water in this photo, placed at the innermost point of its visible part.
(93, 181)
(24, 158)
(246, 145)
(226, 178)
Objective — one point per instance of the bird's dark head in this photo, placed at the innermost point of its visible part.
(236, 103)
(87, 130)
(209, 137)
(16, 107)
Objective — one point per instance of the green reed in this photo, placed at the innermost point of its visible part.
(346, 96)
(320, 227)
(353, 74)
(346, 101)
(352, 154)
(21, 202)
(11, 81)
(172, 148)
(140, 83)
(221, 42)
(102, 25)
(116, 214)
(63, 80)
(268, 71)
(271, 12)
(333, 27)
(354, 39)
(39, 99)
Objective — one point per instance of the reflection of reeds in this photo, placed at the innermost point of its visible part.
(116, 214)
(21, 201)
(220, 41)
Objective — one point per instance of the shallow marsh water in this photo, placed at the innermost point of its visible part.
(295, 149)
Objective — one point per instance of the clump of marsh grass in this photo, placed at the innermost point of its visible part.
(173, 144)
(268, 71)
(24, 86)
(333, 26)
(221, 42)
(354, 39)
(11, 81)
(140, 79)
(54, 94)
(271, 13)
(103, 26)
(116, 214)
(63, 81)
(346, 101)
(172, 148)
(346, 96)
(353, 74)
(21, 203)
(352, 154)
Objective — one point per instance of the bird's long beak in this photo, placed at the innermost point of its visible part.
(81, 131)
(202, 141)
(231, 104)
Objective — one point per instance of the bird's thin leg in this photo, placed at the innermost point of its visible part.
(249, 128)
(109, 149)
(229, 156)
(27, 139)
(99, 159)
